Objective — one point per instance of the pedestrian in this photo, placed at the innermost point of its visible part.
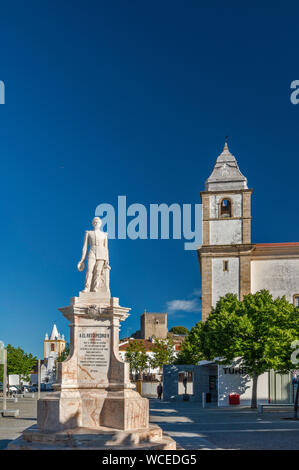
(159, 391)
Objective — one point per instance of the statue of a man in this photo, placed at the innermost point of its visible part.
(97, 273)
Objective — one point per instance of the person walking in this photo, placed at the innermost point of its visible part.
(159, 391)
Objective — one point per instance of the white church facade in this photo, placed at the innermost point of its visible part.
(53, 347)
(229, 261)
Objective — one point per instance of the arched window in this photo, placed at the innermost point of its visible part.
(52, 347)
(225, 208)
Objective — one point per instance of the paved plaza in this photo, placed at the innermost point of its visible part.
(191, 426)
(11, 428)
(212, 428)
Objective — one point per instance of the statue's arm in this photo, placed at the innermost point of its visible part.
(106, 246)
(85, 246)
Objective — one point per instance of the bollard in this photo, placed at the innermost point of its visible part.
(260, 409)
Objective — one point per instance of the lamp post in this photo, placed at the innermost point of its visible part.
(4, 378)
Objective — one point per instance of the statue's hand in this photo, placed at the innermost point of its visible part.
(81, 266)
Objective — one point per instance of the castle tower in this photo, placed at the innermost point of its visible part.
(54, 346)
(225, 253)
(153, 325)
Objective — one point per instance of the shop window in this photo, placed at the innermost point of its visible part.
(225, 208)
(185, 382)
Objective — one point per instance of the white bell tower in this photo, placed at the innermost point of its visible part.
(226, 239)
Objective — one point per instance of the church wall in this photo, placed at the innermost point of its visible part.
(236, 202)
(279, 276)
(225, 232)
(225, 281)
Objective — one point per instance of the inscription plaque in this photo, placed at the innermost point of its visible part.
(93, 354)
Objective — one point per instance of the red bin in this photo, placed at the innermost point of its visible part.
(234, 399)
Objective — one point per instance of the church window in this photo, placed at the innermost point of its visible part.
(225, 265)
(296, 300)
(52, 347)
(225, 208)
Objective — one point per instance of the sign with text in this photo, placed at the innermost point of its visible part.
(93, 354)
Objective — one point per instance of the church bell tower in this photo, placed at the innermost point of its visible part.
(224, 255)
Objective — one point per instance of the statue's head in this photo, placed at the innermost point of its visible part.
(96, 222)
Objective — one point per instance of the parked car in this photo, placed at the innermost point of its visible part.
(14, 390)
(46, 387)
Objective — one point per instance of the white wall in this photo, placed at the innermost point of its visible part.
(216, 198)
(224, 281)
(225, 232)
(148, 353)
(241, 384)
(14, 379)
(280, 277)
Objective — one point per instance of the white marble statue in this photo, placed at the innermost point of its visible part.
(97, 273)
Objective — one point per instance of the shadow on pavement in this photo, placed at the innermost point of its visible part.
(4, 443)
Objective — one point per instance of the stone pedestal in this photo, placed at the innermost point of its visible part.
(94, 400)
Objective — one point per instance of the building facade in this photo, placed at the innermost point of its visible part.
(218, 382)
(53, 347)
(229, 261)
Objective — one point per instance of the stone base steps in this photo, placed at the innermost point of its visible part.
(96, 439)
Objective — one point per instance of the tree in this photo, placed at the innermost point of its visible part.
(19, 362)
(136, 357)
(190, 352)
(259, 330)
(64, 353)
(179, 330)
(163, 353)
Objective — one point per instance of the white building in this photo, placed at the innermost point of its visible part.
(148, 345)
(53, 347)
(229, 261)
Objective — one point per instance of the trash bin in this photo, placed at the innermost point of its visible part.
(234, 399)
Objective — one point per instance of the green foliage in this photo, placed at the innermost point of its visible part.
(64, 353)
(136, 357)
(18, 362)
(190, 352)
(163, 353)
(179, 330)
(259, 329)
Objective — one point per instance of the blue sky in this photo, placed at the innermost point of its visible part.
(135, 98)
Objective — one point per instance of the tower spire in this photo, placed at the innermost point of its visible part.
(225, 144)
(226, 174)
